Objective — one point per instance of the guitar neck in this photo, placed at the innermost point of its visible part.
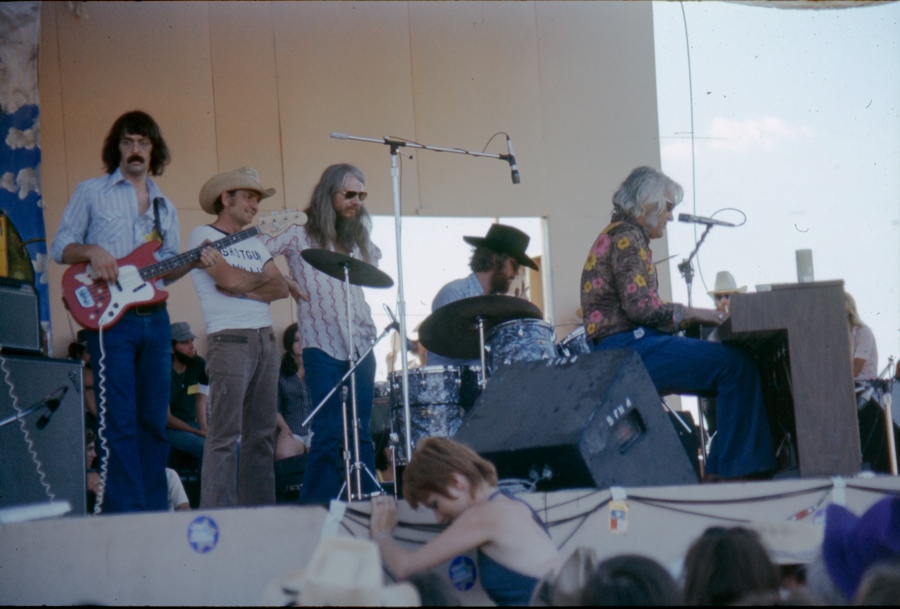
(170, 264)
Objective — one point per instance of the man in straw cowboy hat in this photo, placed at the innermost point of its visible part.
(495, 263)
(339, 222)
(235, 290)
(721, 293)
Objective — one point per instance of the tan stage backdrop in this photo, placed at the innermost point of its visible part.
(265, 83)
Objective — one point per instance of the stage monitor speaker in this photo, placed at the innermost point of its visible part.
(41, 452)
(592, 420)
(20, 323)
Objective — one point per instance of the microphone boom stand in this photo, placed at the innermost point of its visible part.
(395, 144)
(685, 267)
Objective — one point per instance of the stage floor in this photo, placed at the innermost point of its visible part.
(232, 556)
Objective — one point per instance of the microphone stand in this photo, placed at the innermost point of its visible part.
(687, 269)
(24, 413)
(394, 144)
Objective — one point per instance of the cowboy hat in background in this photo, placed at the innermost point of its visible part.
(507, 240)
(343, 572)
(725, 284)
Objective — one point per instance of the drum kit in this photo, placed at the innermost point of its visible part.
(496, 330)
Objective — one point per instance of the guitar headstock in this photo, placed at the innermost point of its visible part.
(274, 222)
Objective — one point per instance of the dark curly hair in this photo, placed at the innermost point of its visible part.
(136, 123)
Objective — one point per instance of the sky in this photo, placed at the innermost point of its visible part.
(796, 117)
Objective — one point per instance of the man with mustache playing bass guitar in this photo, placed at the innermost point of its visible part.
(107, 219)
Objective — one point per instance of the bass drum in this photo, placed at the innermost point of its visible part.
(520, 340)
(573, 344)
(439, 397)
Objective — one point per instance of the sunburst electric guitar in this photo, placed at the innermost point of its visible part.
(94, 303)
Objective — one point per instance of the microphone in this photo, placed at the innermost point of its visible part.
(394, 323)
(701, 220)
(52, 401)
(514, 169)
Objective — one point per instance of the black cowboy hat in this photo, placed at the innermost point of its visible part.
(507, 240)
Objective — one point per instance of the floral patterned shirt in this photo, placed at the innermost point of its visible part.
(619, 284)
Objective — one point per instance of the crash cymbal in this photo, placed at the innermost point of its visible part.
(452, 330)
(333, 264)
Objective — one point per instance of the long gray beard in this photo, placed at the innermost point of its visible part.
(349, 231)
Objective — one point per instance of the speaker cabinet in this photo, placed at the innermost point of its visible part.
(20, 323)
(40, 456)
(593, 420)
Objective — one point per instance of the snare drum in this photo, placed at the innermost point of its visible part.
(520, 340)
(573, 344)
(439, 397)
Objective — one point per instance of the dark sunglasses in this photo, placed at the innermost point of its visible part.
(351, 194)
(721, 296)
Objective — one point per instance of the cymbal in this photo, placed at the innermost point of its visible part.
(360, 272)
(452, 330)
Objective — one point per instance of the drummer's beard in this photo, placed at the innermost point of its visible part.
(499, 282)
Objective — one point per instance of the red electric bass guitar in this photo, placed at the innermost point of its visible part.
(95, 303)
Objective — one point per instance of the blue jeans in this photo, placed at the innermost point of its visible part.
(186, 442)
(743, 444)
(324, 473)
(128, 380)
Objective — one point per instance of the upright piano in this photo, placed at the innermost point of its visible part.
(800, 336)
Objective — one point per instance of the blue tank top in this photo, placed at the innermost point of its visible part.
(505, 586)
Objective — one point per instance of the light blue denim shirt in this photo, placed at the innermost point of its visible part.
(453, 291)
(104, 211)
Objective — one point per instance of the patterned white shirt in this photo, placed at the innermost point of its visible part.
(323, 320)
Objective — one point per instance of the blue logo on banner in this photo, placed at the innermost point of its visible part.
(203, 534)
(462, 573)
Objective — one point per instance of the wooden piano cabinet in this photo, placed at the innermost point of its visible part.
(805, 327)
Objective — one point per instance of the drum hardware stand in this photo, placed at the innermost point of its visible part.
(351, 373)
(395, 144)
(393, 441)
(687, 428)
(886, 401)
(482, 374)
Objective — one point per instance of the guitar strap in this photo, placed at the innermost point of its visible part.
(162, 237)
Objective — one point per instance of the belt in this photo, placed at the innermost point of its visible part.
(149, 309)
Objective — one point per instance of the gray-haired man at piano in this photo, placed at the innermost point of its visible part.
(622, 310)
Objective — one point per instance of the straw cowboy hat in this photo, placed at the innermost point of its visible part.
(244, 178)
(725, 284)
(343, 572)
(505, 240)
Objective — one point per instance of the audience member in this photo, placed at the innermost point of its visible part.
(384, 456)
(178, 499)
(630, 580)
(78, 351)
(724, 565)
(514, 549)
(92, 476)
(186, 424)
(863, 349)
(294, 403)
(724, 288)
(854, 543)
(880, 585)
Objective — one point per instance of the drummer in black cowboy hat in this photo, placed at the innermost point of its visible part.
(495, 263)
